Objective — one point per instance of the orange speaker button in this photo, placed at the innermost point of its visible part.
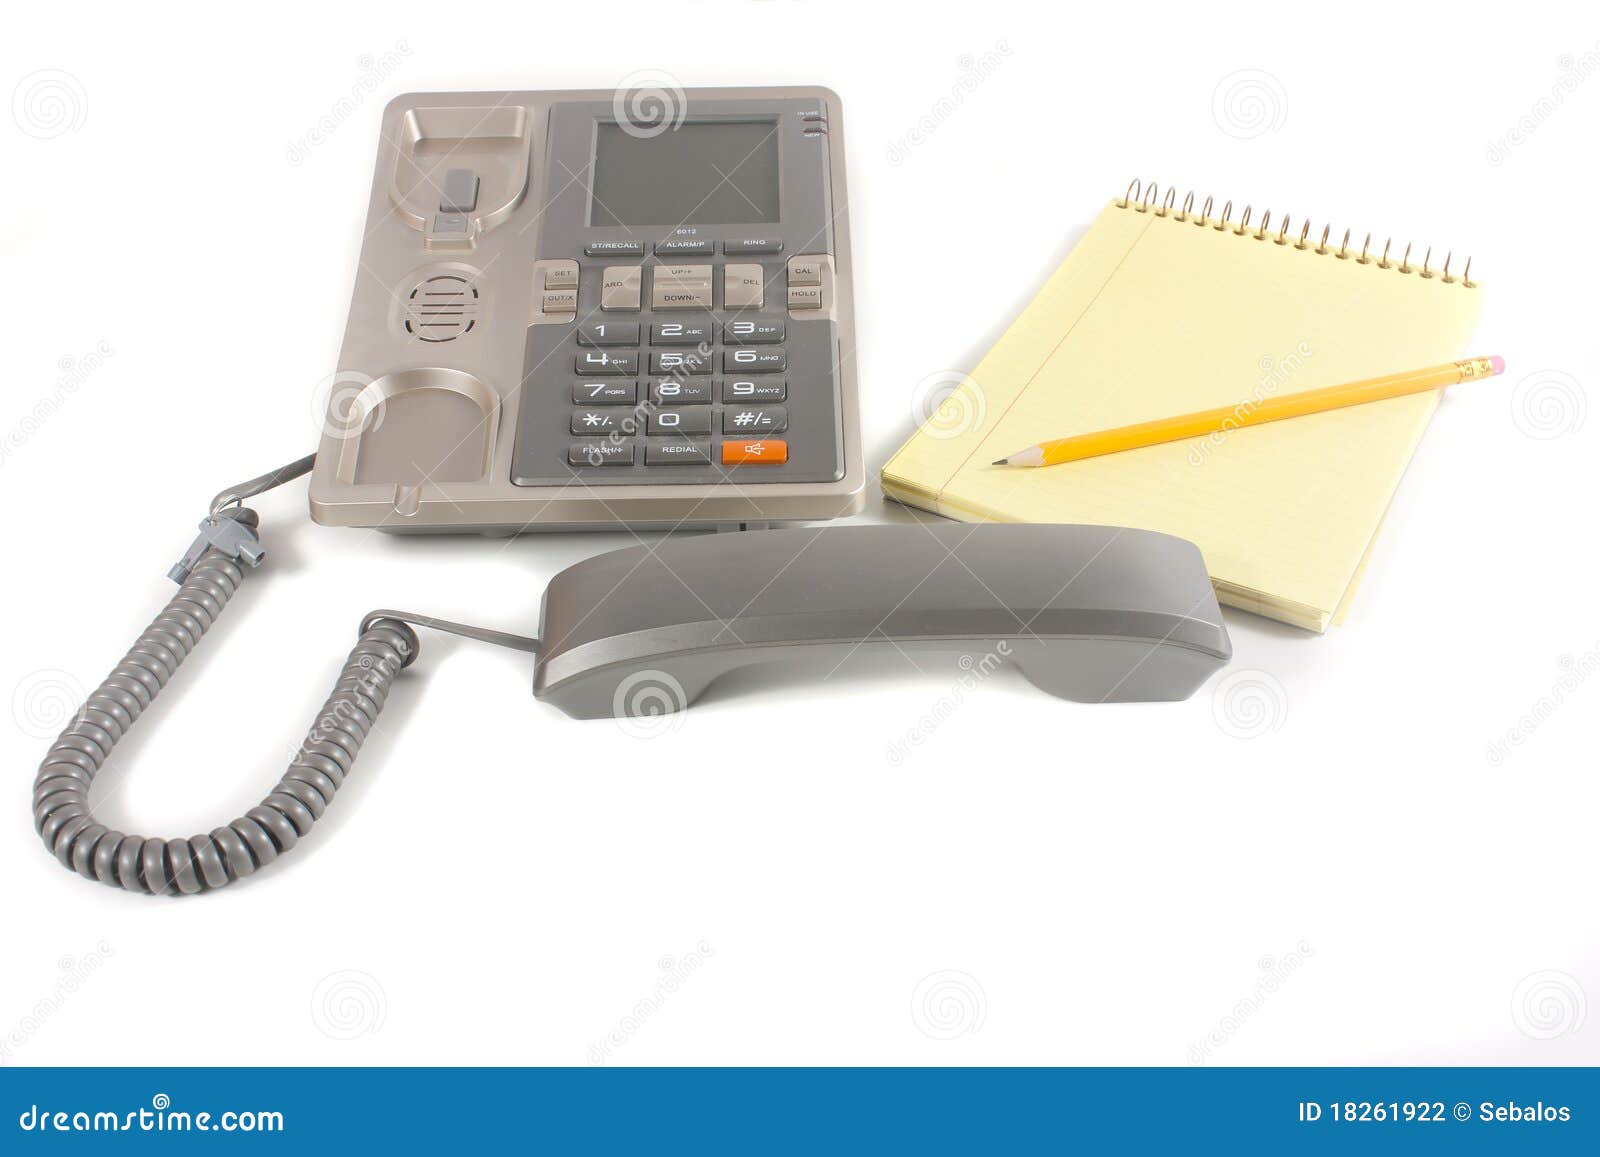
(770, 450)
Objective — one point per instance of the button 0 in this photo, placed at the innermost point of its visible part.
(600, 362)
(608, 333)
(762, 420)
(743, 287)
(619, 287)
(600, 454)
(677, 452)
(754, 361)
(680, 422)
(805, 297)
(805, 271)
(770, 451)
(751, 245)
(684, 247)
(614, 249)
(752, 331)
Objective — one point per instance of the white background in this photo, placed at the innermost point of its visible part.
(1316, 859)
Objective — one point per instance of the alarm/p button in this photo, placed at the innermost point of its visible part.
(768, 451)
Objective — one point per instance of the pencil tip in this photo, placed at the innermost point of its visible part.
(1000, 462)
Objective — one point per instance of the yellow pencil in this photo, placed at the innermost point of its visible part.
(1252, 413)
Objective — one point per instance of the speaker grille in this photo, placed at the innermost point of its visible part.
(442, 308)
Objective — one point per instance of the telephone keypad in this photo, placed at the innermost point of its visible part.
(717, 390)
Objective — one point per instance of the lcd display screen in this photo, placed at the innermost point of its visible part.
(700, 173)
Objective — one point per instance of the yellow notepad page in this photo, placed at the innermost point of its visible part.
(1152, 316)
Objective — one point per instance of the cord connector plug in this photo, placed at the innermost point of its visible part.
(232, 531)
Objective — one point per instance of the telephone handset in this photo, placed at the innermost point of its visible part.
(474, 386)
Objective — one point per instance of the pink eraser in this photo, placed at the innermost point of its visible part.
(1499, 364)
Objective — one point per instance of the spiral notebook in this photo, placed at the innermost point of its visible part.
(1161, 310)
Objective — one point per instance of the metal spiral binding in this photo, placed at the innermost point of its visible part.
(1146, 197)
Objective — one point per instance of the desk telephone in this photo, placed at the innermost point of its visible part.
(567, 316)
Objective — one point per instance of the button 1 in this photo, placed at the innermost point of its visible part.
(609, 333)
(559, 301)
(805, 297)
(603, 392)
(677, 452)
(772, 451)
(619, 287)
(746, 390)
(614, 249)
(676, 392)
(683, 247)
(805, 271)
(764, 420)
(460, 194)
(743, 287)
(604, 422)
(679, 362)
(601, 362)
(752, 331)
(681, 333)
(750, 245)
(679, 422)
(563, 276)
(754, 361)
(600, 454)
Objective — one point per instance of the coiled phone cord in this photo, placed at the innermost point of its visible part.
(209, 575)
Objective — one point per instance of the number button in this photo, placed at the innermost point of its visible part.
(679, 422)
(766, 420)
(754, 361)
(680, 333)
(743, 391)
(604, 393)
(751, 331)
(681, 392)
(608, 333)
(604, 362)
(667, 362)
